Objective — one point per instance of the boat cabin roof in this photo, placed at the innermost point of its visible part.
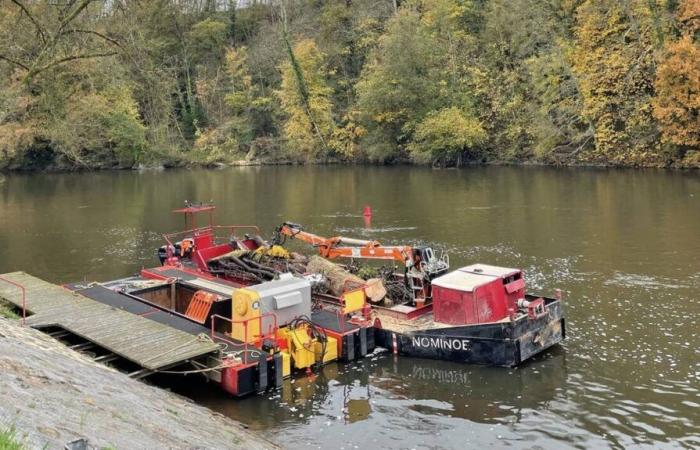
(464, 281)
(494, 271)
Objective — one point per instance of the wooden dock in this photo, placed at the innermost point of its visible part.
(149, 344)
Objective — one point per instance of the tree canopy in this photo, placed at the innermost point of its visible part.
(97, 83)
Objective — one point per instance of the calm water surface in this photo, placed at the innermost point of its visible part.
(624, 246)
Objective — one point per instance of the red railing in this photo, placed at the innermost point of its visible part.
(24, 297)
(169, 237)
(271, 334)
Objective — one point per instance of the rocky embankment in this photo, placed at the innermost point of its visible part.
(52, 395)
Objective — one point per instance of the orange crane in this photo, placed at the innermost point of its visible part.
(420, 261)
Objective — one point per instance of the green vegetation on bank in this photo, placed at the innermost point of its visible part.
(9, 439)
(7, 310)
(98, 84)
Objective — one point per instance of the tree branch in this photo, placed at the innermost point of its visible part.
(33, 20)
(35, 72)
(12, 61)
(96, 33)
(84, 4)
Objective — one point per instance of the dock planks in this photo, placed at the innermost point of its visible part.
(151, 345)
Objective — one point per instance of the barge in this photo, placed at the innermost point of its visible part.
(246, 313)
(477, 314)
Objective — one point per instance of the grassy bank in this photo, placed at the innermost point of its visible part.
(9, 439)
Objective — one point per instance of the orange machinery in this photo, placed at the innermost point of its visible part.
(420, 263)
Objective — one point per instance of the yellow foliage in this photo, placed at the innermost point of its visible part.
(309, 124)
(615, 79)
(689, 15)
(276, 251)
(446, 133)
(677, 101)
(16, 138)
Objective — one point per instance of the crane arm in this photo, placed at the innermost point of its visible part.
(354, 248)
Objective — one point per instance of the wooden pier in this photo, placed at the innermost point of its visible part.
(149, 344)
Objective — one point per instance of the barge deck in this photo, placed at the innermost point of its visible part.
(132, 335)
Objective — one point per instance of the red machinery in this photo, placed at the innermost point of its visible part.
(481, 293)
(198, 243)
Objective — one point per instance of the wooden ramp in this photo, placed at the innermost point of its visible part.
(149, 344)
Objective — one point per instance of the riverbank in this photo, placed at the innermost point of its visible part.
(52, 395)
(167, 165)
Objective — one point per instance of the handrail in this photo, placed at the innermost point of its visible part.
(233, 228)
(24, 297)
(261, 337)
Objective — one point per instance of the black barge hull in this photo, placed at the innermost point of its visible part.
(505, 344)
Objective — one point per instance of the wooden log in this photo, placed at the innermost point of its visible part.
(339, 279)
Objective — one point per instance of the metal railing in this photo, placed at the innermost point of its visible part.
(24, 297)
(194, 232)
(271, 334)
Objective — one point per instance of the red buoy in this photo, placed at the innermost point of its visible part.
(368, 211)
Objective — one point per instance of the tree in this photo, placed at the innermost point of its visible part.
(446, 135)
(63, 34)
(306, 100)
(677, 100)
(401, 83)
(613, 61)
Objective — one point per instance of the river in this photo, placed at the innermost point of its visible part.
(623, 245)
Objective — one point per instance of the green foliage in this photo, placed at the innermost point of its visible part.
(614, 61)
(446, 135)
(114, 84)
(306, 100)
(7, 311)
(99, 122)
(9, 440)
(206, 40)
(398, 85)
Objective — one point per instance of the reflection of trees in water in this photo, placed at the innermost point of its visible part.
(480, 394)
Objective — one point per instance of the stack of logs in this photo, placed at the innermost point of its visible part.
(266, 264)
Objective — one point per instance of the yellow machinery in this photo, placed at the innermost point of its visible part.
(246, 308)
(301, 343)
(354, 301)
(306, 346)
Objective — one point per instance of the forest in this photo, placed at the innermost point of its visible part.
(90, 84)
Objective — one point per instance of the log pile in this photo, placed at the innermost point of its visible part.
(266, 263)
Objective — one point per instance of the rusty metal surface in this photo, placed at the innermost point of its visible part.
(150, 344)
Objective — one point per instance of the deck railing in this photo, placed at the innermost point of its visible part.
(247, 345)
(194, 232)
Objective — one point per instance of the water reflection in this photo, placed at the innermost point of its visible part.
(623, 245)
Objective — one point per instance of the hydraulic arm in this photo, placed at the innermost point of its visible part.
(420, 259)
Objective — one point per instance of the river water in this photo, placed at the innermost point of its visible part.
(623, 245)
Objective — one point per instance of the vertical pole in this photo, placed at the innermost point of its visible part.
(24, 305)
(172, 295)
(245, 345)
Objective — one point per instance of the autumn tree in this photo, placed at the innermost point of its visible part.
(306, 100)
(416, 68)
(447, 136)
(677, 101)
(614, 64)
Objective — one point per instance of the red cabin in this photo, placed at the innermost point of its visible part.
(477, 294)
